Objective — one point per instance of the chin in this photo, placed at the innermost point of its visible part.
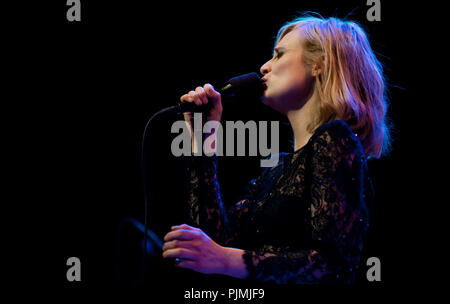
(267, 98)
(270, 102)
(267, 101)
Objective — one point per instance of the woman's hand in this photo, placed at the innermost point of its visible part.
(204, 95)
(193, 249)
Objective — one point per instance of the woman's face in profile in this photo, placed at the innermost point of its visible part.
(289, 82)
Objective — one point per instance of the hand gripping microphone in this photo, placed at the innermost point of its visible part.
(250, 82)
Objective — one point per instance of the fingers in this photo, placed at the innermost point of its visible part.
(182, 262)
(189, 97)
(201, 95)
(187, 264)
(181, 234)
(184, 226)
(181, 253)
(195, 97)
(211, 92)
(182, 238)
(178, 244)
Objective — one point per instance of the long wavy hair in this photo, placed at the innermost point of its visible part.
(351, 85)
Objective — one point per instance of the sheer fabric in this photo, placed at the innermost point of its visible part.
(302, 221)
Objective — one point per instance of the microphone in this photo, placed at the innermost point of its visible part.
(250, 82)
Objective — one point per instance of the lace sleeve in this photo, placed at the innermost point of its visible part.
(206, 208)
(338, 217)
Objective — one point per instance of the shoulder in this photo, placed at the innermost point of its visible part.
(336, 136)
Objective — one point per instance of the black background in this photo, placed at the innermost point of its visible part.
(83, 92)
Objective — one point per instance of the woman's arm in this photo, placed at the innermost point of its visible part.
(195, 250)
(206, 208)
(338, 217)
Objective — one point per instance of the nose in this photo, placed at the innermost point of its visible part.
(265, 68)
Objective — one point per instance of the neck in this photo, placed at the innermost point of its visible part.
(299, 120)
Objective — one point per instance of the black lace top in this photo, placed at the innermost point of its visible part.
(302, 221)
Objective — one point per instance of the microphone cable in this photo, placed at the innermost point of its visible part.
(145, 180)
(144, 165)
(245, 81)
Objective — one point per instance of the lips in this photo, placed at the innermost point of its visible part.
(264, 83)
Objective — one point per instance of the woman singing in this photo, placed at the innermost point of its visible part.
(304, 220)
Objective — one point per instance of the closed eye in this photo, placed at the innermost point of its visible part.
(278, 55)
(278, 52)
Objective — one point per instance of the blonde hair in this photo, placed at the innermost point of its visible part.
(351, 84)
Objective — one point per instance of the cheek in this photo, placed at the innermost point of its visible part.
(291, 87)
(292, 76)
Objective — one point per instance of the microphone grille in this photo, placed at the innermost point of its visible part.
(250, 81)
